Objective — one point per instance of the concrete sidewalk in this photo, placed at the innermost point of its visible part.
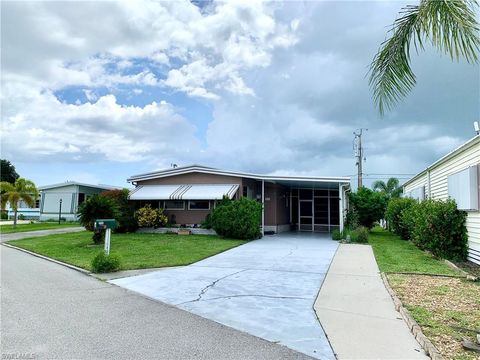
(36, 233)
(358, 314)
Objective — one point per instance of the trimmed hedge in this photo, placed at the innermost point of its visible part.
(103, 263)
(237, 219)
(439, 227)
(394, 216)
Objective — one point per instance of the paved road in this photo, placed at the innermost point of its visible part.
(266, 288)
(36, 233)
(51, 311)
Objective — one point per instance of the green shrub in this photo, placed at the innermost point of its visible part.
(103, 263)
(237, 219)
(126, 210)
(394, 216)
(337, 235)
(439, 227)
(360, 235)
(148, 217)
(98, 236)
(368, 206)
(97, 207)
(207, 223)
(3, 215)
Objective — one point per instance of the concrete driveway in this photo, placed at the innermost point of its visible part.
(266, 287)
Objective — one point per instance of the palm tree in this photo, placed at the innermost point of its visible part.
(23, 189)
(392, 188)
(448, 25)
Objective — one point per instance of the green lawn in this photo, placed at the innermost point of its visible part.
(136, 251)
(396, 255)
(7, 229)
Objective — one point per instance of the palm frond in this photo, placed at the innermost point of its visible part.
(379, 185)
(449, 25)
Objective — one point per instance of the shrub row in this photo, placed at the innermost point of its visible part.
(433, 225)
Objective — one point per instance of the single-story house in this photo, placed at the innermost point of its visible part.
(455, 176)
(71, 194)
(187, 194)
(24, 211)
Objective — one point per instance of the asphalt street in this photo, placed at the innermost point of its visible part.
(49, 311)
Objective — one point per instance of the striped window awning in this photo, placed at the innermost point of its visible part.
(184, 192)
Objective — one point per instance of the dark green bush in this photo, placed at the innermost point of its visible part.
(368, 206)
(97, 207)
(125, 210)
(237, 219)
(207, 223)
(103, 263)
(337, 235)
(439, 227)
(3, 215)
(360, 235)
(98, 236)
(394, 217)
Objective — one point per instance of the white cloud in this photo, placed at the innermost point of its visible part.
(37, 126)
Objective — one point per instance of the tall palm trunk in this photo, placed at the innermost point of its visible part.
(15, 218)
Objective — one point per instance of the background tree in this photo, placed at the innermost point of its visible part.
(22, 189)
(126, 210)
(448, 25)
(391, 188)
(368, 206)
(7, 171)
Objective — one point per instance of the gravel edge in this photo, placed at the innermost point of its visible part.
(416, 330)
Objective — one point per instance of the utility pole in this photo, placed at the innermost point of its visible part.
(357, 145)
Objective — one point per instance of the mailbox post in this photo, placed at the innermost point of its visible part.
(107, 225)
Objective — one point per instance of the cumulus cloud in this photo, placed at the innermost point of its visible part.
(103, 130)
(286, 84)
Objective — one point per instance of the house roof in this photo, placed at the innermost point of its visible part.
(67, 183)
(209, 170)
(473, 141)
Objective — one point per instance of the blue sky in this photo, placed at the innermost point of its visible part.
(99, 91)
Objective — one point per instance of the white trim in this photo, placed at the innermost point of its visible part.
(68, 183)
(207, 170)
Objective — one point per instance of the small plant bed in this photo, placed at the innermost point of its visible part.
(8, 229)
(440, 299)
(447, 309)
(135, 251)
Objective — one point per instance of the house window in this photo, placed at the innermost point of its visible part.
(37, 203)
(199, 205)
(245, 191)
(81, 198)
(174, 205)
(463, 188)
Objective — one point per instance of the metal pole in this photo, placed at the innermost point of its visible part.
(263, 207)
(108, 232)
(60, 212)
(340, 193)
(360, 158)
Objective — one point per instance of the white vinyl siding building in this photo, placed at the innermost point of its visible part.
(462, 167)
(72, 194)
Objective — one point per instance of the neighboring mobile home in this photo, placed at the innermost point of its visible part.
(456, 176)
(188, 194)
(72, 195)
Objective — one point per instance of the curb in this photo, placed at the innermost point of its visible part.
(455, 267)
(73, 267)
(424, 342)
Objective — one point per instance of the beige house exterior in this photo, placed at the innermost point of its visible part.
(456, 176)
(188, 194)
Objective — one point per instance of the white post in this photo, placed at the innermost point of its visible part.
(263, 207)
(340, 193)
(107, 241)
